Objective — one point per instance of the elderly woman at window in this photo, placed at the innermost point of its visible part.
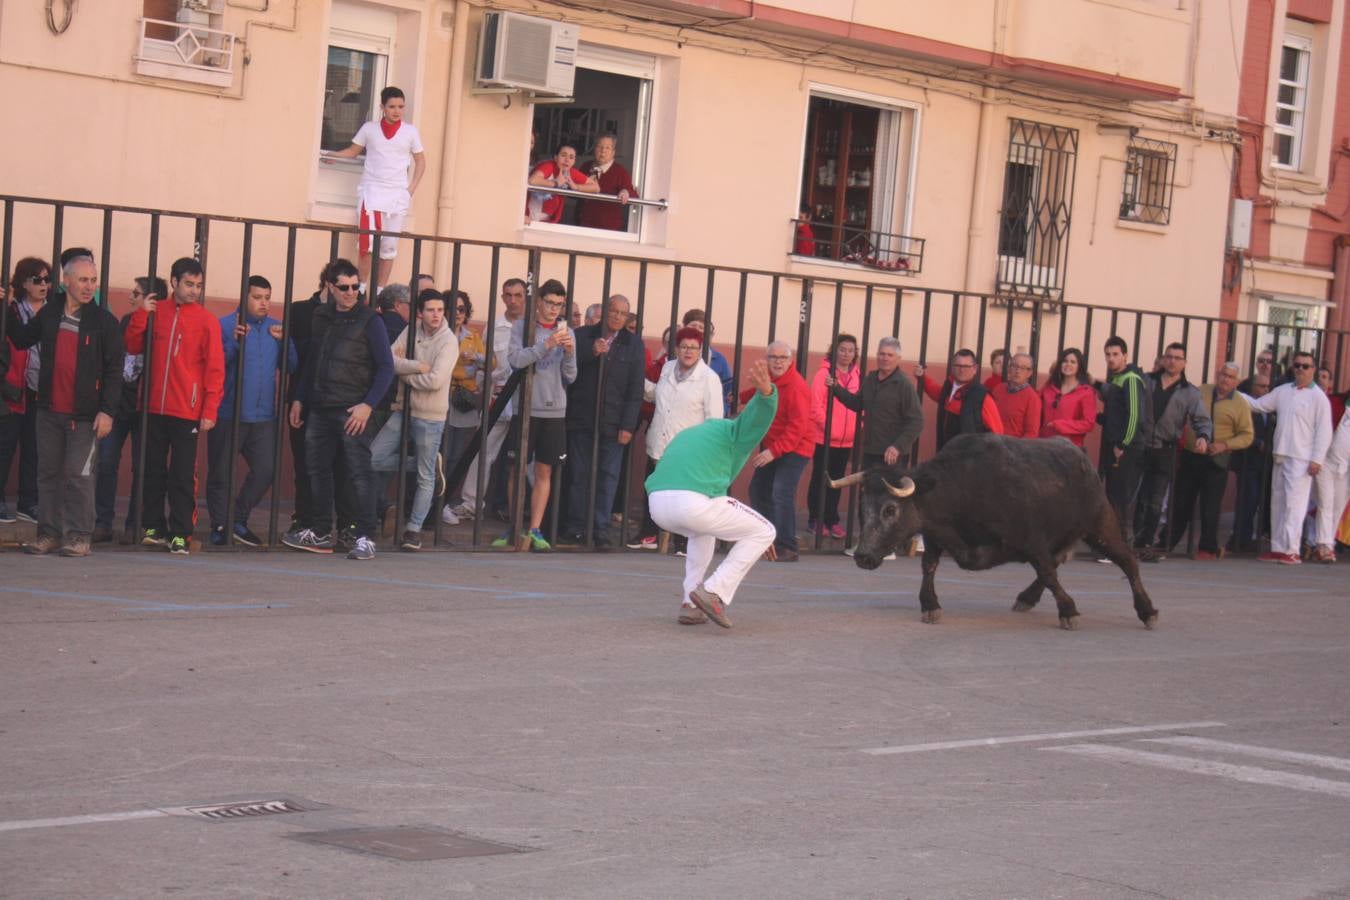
(558, 172)
(612, 178)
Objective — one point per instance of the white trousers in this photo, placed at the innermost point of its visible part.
(1332, 492)
(1290, 486)
(705, 520)
(494, 445)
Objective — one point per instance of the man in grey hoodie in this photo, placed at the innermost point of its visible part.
(1176, 402)
(553, 355)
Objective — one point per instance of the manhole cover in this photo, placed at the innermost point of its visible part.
(407, 842)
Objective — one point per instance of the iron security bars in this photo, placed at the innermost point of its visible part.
(1150, 169)
(808, 312)
(1033, 238)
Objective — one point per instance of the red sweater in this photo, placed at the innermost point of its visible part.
(1072, 415)
(187, 373)
(1020, 411)
(791, 428)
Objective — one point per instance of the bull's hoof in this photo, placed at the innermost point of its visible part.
(1023, 606)
(1151, 622)
(931, 617)
(1068, 623)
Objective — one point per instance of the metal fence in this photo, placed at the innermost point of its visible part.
(745, 309)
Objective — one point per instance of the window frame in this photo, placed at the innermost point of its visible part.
(1142, 157)
(1298, 111)
(646, 69)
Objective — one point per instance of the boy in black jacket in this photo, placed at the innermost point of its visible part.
(79, 390)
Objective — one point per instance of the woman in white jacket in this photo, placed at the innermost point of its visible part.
(687, 393)
(1332, 491)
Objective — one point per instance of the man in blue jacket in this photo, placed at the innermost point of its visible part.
(253, 346)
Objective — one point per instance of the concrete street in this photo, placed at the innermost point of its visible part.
(829, 745)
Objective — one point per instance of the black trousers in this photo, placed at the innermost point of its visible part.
(1197, 477)
(304, 505)
(1121, 477)
(255, 446)
(1157, 466)
(829, 514)
(171, 470)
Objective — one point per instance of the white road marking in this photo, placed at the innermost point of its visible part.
(1248, 774)
(24, 824)
(1291, 756)
(1032, 738)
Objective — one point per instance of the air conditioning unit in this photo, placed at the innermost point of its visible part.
(527, 53)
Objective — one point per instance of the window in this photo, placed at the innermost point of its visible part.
(350, 95)
(1291, 102)
(1033, 237)
(185, 42)
(163, 11)
(612, 95)
(854, 184)
(1290, 322)
(1150, 167)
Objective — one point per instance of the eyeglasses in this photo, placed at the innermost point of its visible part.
(684, 347)
(460, 309)
(778, 358)
(1264, 360)
(1301, 366)
(39, 279)
(346, 288)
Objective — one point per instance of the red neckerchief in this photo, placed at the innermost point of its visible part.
(390, 128)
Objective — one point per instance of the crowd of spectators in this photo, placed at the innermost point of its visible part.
(77, 383)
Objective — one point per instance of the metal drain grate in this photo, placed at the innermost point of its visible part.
(408, 843)
(249, 809)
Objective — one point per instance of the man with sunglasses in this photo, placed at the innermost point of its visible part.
(348, 369)
(1302, 438)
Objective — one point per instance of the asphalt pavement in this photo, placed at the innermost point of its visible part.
(220, 724)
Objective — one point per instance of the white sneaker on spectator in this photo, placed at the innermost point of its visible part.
(448, 516)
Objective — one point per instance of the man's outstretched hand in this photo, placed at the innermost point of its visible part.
(759, 377)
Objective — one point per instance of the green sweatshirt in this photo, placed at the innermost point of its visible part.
(707, 457)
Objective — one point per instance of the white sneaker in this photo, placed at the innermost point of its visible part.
(918, 545)
(448, 516)
(464, 511)
(848, 551)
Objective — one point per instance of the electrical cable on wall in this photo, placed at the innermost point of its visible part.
(67, 17)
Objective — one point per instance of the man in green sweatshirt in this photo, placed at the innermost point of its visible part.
(688, 495)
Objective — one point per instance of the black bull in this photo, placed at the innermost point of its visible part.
(988, 499)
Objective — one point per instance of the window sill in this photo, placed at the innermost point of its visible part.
(217, 78)
(331, 213)
(589, 240)
(1280, 176)
(798, 260)
(1146, 227)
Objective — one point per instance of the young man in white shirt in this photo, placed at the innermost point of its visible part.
(384, 195)
(1302, 437)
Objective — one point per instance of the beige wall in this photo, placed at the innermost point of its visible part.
(726, 150)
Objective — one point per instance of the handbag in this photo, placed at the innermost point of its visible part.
(463, 399)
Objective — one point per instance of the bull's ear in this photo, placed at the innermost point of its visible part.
(903, 490)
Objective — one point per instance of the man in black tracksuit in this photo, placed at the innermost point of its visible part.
(79, 392)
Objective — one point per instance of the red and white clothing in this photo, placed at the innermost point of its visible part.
(1302, 436)
(551, 207)
(383, 192)
(1333, 484)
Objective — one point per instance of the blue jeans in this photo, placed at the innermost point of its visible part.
(109, 462)
(579, 482)
(325, 442)
(773, 494)
(424, 440)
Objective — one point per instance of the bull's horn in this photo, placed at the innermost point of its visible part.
(904, 490)
(848, 480)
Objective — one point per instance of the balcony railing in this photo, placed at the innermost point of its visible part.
(860, 246)
(194, 53)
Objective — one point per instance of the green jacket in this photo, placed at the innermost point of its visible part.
(707, 457)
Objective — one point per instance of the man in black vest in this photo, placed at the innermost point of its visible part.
(964, 405)
(348, 369)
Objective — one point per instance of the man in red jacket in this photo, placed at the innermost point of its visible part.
(784, 454)
(186, 376)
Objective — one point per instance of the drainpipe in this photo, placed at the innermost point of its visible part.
(454, 105)
(979, 186)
